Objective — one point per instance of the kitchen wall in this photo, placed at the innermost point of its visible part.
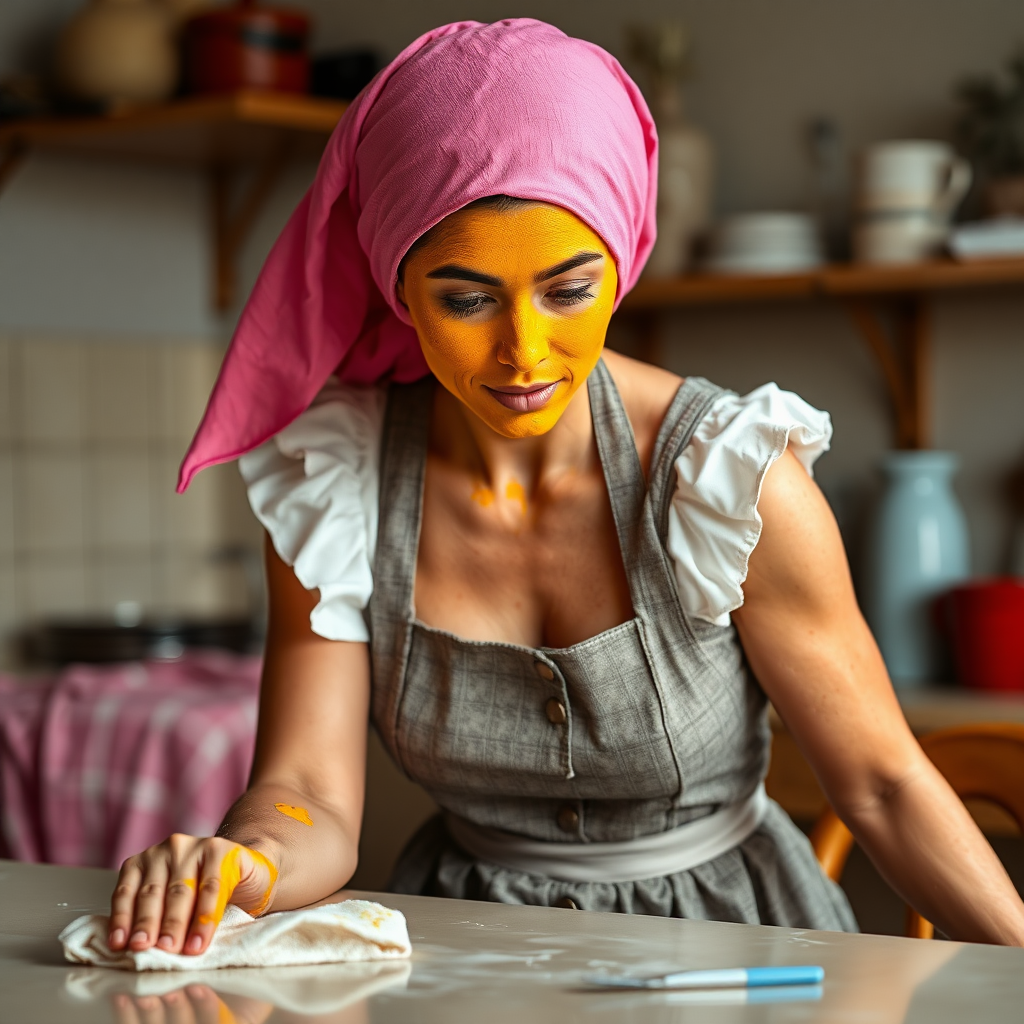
(91, 434)
(97, 258)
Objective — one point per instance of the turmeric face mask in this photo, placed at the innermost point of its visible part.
(511, 309)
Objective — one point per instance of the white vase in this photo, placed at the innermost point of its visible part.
(685, 185)
(918, 549)
(119, 52)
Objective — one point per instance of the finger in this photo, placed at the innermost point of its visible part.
(124, 1008)
(149, 905)
(220, 872)
(208, 1006)
(179, 1007)
(179, 904)
(122, 903)
(151, 1010)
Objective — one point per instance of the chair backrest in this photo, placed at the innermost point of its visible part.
(982, 762)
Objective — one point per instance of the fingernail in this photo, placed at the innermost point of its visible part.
(138, 937)
(116, 937)
(165, 941)
(194, 944)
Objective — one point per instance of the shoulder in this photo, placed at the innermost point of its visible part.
(313, 487)
(647, 392)
(715, 520)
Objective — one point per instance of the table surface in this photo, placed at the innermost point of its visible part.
(476, 962)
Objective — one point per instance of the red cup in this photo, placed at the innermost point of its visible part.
(986, 621)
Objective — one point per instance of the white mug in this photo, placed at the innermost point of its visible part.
(899, 238)
(912, 175)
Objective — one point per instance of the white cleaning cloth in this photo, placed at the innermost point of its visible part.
(352, 930)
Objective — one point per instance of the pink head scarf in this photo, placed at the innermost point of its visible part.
(466, 111)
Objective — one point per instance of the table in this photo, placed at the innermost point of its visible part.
(477, 962)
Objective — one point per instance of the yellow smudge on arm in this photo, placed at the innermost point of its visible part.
(516, 492)
(231, 875)
(298, 813)
(483, 495)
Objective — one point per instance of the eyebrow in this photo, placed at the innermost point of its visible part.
(579, 260)
(454, 272)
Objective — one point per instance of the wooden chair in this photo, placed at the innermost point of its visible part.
(984, 762)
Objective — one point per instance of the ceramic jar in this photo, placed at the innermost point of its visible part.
(119, 52)
(917, 550)
(685, 183)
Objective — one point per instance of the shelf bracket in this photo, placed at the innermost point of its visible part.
(12, 157)
(234, 217)
(903, 352)
(650, 329)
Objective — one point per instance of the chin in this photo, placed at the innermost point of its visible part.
(524, 424)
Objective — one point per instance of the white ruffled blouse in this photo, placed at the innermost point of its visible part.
(314, 487)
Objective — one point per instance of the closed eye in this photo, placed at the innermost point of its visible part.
(465, 303)
(572, 295)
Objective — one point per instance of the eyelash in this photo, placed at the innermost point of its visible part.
(459, 307)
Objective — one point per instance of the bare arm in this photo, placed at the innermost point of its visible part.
(810, 648)
(310, 758)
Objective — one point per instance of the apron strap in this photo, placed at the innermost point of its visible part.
(623, 474)
(690, 405)
(402, 471)
(641, 513)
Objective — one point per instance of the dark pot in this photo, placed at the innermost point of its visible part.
(246, 47)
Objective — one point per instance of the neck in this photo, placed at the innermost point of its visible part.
(499, 462)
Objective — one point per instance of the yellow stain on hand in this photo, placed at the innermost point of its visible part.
(224, 1014)
(298, 813)
(516, 492)
(189, 883)
(231, 875)
(483, 496)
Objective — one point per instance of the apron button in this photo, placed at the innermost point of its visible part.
(567, 904)
(568, 819)
(555, 710)
(544, 671)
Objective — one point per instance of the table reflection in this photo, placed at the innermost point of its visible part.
(328, 993)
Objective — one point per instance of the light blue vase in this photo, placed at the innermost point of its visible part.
(918, 548)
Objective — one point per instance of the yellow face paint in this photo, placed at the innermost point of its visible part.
(298, 813)
(515, 491)
(507, 324)
(231, 875)
(483, 496)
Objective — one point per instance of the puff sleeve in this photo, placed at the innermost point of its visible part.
(313, 486)
(714, 523)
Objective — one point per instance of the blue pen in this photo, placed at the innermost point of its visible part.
(730, 977)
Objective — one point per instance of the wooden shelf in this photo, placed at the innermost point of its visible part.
(236, 128)
(831, 281)
(230, 137)
(899, 338)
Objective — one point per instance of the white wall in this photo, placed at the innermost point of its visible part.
(107, 250)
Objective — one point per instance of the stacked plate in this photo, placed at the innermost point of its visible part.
(765, 243)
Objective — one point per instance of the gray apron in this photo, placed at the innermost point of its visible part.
(635, 731)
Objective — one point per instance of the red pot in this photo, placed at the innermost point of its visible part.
(987, 625)
(246, 47)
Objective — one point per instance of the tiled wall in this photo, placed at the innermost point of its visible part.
(91, 434)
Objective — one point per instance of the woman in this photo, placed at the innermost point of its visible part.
(552, 599)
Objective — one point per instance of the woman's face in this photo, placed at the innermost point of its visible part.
(511, 309)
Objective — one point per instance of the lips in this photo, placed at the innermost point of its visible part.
(524, 399)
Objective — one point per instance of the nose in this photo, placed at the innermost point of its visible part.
(523, 343)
